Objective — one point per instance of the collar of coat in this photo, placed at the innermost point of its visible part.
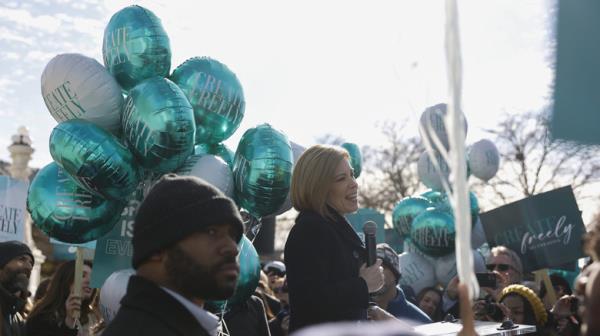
(144, 295)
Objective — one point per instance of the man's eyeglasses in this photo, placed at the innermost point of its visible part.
(499, 267)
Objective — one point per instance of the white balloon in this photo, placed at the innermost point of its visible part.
(211, 169)
(75, 86)
(297, 150)
(445, 267)
(432, 122)
(112, 292)
(428, 174)
(484, 159)
(416, 271)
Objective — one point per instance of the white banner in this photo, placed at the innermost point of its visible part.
(13, 196)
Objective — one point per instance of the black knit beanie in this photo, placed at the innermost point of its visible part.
(389, 259)
(176, 207)
(12, 249)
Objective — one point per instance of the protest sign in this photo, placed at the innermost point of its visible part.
(114, 250)
(359, 218)
(13, 198)
(545, 230)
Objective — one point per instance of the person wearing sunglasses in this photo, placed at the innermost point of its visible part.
(507, 265)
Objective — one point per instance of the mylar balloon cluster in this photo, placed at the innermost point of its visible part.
(406, 210)
(433, 126)
(262, 170)
(216, 96)
(158, 123)
(136, 47)
(484, 159)
(78, 87)
(67, 212)
(248, 279)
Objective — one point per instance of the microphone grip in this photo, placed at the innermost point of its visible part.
(370, 245)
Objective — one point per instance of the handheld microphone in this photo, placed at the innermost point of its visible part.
(370, 229)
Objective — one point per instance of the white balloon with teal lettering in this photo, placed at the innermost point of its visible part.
(432, 125)
(113, 290)
(75, 86)
(429, 173)
(484, 159)
(445, 267)
(211, 169)
(416, 271)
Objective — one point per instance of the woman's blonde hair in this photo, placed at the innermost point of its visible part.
(312, 177)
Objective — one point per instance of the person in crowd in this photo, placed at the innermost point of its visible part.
(324, 257)
(391, 297)
(561, 288)
(61, 312)
(504, 263)
(564, 311)
(587, 286)
(429, 301)
(16, 263)
(247, 319)
(41, 290)
(280, 325)
(525, 307)
(185, 243)
(275, 270)
(265, 293)
(507, 264)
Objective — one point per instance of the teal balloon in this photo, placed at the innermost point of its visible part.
(135, 47)
(406, 210)
(355, 157)
(248, 279)
(219, 150)
(216, 96)
(158, 123)
(433, 232)
(65, 211)
(262, 170)
(434, 196)
(443, 203)
(95, 159)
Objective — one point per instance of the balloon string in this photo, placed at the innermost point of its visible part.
(456, 132)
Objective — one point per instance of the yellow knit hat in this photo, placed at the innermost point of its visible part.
(534, 301)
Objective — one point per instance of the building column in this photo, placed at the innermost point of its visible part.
(20, 152)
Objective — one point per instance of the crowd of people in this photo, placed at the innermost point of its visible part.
(185, 243)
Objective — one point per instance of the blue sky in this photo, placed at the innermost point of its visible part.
(307, 67)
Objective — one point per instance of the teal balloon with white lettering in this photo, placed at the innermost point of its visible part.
(262, 170)
(67, 212)
(406, 210)
(355, 157)
(158, 123)
(95, 159)
(216, 95)
(248, 279)
(136, 46)
(75, 86)
(433, 232)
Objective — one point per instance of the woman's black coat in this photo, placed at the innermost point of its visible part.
(322, 258)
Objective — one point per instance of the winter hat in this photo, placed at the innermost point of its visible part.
(176, 207)
(12, 249)
(390, 259)
(534, 301)
(276, 266)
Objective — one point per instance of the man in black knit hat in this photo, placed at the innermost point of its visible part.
(16, 262)
(185, 240)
